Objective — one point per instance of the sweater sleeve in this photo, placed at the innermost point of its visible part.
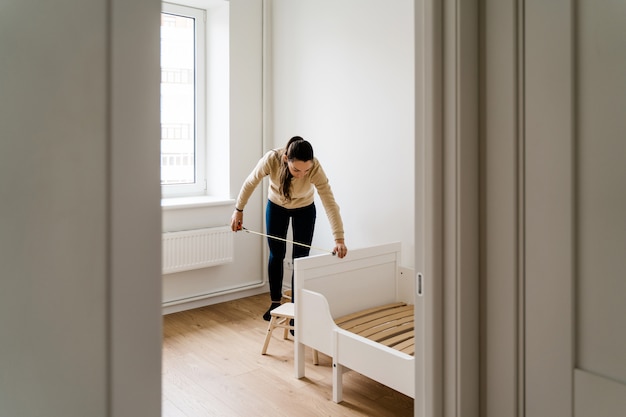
(261, 170)
(319, 179)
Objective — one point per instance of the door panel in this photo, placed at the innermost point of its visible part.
(566, 179)
(601, 188)
(575, 200)
(598, 396)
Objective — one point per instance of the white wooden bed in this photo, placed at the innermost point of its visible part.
(328, 288)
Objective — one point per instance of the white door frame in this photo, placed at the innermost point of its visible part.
(447, 205)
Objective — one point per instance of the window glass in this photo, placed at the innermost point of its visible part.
(195, 98)
(178, 97)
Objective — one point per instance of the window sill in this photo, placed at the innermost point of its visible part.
(178, 203)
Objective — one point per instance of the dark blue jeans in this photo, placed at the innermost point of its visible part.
(277, 222)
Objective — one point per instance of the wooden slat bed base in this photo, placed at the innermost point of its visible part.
(390, 324)
(361, 313)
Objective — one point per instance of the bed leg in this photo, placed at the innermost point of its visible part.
(299, 360)
(337, 382)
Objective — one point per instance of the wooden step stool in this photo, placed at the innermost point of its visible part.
(281, 317)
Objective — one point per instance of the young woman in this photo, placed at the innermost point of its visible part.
(294, 175)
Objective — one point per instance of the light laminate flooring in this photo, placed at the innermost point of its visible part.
(212, 366)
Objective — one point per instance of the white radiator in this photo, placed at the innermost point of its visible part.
(195, 249)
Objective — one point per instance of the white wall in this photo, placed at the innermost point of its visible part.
(80, 219)
(343, 78)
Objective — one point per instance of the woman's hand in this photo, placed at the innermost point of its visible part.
(340, 248)
(236, 220)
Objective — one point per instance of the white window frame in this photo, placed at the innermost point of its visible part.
(199, 187)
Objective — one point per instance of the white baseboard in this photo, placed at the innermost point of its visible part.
(214, 299)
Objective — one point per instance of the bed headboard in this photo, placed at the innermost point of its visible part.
(366, 277)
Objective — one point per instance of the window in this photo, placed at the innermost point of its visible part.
(200, 41)
(183, 101)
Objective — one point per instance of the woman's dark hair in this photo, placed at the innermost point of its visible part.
(297, 149)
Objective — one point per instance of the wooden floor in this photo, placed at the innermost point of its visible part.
(212, 366)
